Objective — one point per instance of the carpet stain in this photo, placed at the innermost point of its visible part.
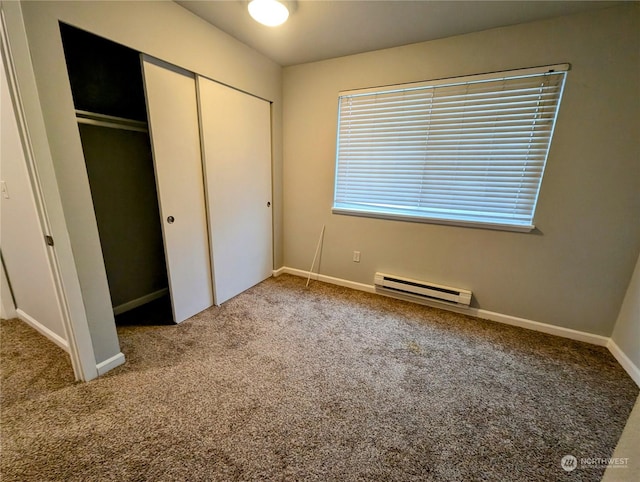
(414, 348)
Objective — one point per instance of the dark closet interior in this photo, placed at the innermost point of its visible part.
(108, 94)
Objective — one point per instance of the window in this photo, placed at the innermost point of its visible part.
(468, 151)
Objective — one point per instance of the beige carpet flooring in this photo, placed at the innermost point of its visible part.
(325, 383)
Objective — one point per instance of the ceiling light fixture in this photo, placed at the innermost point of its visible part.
(269, 12)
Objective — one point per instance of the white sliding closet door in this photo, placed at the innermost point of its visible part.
(175, 139)
(236, 138)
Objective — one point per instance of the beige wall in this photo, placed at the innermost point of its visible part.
(626, 333)
(572, 272)
(160, 29)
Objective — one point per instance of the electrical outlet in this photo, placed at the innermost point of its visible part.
(356, 256)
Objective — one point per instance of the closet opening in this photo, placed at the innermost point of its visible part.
(108, 94)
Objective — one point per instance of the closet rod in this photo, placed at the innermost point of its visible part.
(103, 120)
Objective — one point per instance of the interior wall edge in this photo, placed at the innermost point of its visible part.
(630, 367)
(626, 332)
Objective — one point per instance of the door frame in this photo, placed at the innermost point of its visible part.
(24, 94)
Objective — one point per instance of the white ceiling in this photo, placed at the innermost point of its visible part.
(323, 29)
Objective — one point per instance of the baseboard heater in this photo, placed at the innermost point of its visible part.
(421, 290)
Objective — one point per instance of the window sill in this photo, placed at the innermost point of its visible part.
(448, 222)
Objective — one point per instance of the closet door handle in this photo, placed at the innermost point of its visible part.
(268, 204)
(171, 219)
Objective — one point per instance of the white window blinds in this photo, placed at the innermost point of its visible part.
(464, 151)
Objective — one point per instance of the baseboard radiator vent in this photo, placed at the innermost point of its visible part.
(407, 288)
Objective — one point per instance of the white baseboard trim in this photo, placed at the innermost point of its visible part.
(631, 368)
(326, 279)
(110, 363)
(591, 338)
(54, 337)
(541, 327)
(130, 305)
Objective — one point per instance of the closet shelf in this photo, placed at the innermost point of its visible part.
(103, 120)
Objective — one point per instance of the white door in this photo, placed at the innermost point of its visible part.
(24, 251)
(236, 138)
(175, 140)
